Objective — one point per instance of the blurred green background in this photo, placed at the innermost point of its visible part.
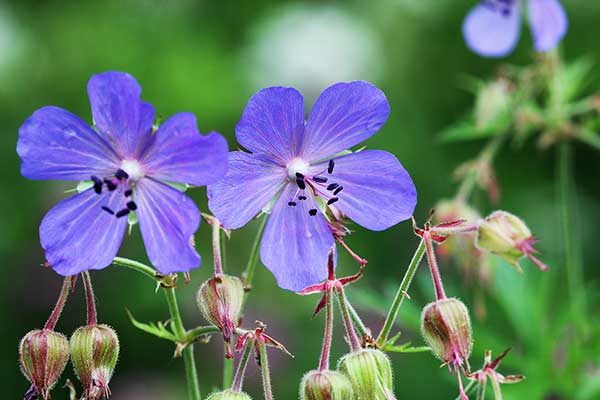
(209, 57)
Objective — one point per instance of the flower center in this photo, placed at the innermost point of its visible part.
(296, 166)
(133, 169)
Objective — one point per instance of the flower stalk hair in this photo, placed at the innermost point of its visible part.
(128, 167)
(301, 173)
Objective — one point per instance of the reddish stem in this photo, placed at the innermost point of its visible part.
(435, 273)
(326, 350)
(350, 331)
(60, 303)
(92, 316)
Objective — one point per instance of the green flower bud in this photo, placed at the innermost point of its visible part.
(94, 354)
(492, 102)
(446, 327)
(229, 395)
(370, 372)
(325, 385)
(220, 300)
(43, 355)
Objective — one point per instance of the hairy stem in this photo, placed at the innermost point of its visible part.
(350, 331)
(264, 365)
(227, 369)
(92, 315)
(216, 245)
(137, 266)
(253, 259)
(326, 349)
(238, 380)
(60, 303)
(433, 267)
(400, 294)
(358, 323)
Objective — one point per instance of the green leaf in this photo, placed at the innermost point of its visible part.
(467, 129)
(158, 329)
(570, 81)
(406, 348)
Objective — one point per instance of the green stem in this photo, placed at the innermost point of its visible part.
(264, 365)
(188, 352)
(216, 243)
(253, 259)
(227, 370)
(198, 331)
(487, 155)
(350, 331)
(238, 381)
(92, 316)
(469, 388)
(359, 324)
(138, 266)
(402, 292)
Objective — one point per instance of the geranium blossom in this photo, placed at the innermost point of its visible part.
(297, 165)
(128, 165)
(492, 28)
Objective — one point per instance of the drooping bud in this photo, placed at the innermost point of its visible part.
(446, 327)
(506, 235)
(325, 385)
(43, 355)
(94, 354)
(220, 300)
(370, 373)
(229, 395)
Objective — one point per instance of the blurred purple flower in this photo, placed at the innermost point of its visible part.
(128, 165)
(492, 28)
(298, 165)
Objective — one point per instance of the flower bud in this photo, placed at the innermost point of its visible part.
(370, 372)
(325, 385)
(220, 300)
(446, 327)
(229, 395)
(43, 355)
(94, 354)
(506, 235)
(492, 102)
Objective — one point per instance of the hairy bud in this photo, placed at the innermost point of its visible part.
(446, 327)
(220, 300)
(229, 395)
(370, 372)
(325, 385)
(94, 353)
(506, 235)
(43, 355)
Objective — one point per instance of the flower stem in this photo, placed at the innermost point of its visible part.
(135, 265)
(326, 350)
(60, 303)
(92, 316)
(358, 323)
(253, 259)
(433, 267)
(227, 369)
(238, 380)
(350, 331)
(194, 333)
(216, 245)
(188, 352)
(264, 365)
(400, 294)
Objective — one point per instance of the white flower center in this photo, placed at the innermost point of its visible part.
(297, 165)
(133, 168)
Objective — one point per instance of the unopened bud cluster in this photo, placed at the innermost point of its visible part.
(370, 373)
(325, 385)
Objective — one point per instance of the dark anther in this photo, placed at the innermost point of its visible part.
(299, 175)
(336, 191)
(332, 200)
(330, 167)
(131, 205)
(121, 175)
(332, 186)
(110, 184)
(128, 192)
(122, 213)
(312, 212)
(301, 197)
(300, 183)
(292, 204)
(320, 179)
(108, 210)
(97, 184)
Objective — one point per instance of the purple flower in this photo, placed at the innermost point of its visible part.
(492, 27)
(299, 166)
(128, 164)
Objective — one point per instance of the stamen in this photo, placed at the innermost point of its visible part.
(128, 192)
(312, 212)
(301, 197)
(122, 213)
(299, 175)
(121, 175)
(330, 167)
(332, 186)
(131, 205)
(97, 184)
(108, 210)
(332, 200)
(336, 191)
(110, 184)
(320, 179)
(292, 204)
(300, 183)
